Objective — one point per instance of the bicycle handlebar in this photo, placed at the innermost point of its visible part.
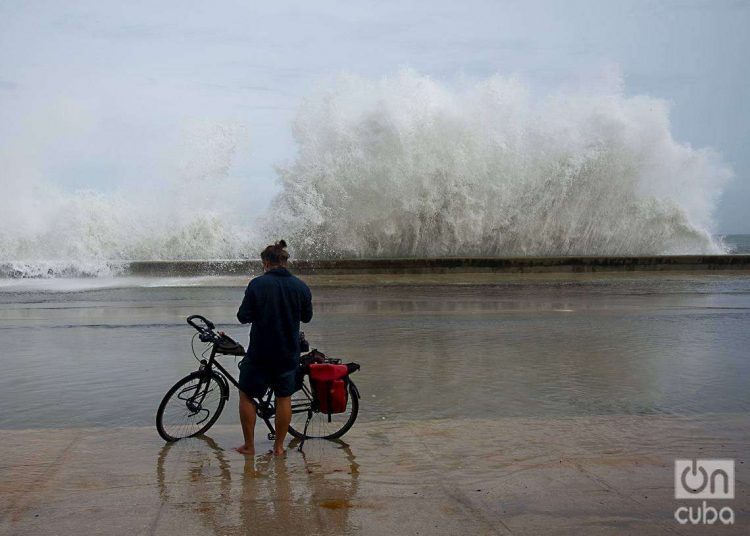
(209, 326)
(223, 343)
(207, 333)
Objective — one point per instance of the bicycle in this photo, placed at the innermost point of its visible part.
(194, 403)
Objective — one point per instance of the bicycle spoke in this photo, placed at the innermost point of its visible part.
(191, 407)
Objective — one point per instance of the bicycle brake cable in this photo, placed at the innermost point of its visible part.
(203, 353)
(192, 347)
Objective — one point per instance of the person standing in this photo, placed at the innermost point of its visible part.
(275, 303)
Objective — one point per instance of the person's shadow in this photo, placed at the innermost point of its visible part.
(230, 493)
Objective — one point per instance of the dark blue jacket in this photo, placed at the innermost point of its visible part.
(275, 302)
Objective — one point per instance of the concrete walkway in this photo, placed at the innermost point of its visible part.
(581, 475)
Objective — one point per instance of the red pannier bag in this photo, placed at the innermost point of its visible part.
(330, 387)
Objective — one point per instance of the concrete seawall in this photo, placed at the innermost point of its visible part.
(451, 265)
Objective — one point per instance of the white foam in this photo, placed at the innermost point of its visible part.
(63, 284)
(404, 166)
(50, 233)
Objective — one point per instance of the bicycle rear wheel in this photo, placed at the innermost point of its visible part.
(191, 406)
(319, 427)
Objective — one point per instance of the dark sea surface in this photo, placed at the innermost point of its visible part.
(665, 344)
(739, 244)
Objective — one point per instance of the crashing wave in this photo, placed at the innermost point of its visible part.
(398, 167)
(404, 167)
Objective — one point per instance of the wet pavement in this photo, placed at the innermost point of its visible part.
(514, 475)
(491, 405)
(541, 347)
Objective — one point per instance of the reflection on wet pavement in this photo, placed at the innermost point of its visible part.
(265, 492)
(449, 476)
(514, 408)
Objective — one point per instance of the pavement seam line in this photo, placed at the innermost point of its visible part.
(625, 496)
(21, 504)
(460, 498)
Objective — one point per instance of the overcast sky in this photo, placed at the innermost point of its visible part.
(103, 95)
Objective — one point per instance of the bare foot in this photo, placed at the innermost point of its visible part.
(278, 451)
(243, 449)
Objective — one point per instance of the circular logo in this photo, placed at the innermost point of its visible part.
(704, 478)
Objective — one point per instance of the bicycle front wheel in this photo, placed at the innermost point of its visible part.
(319, 425)
(191, 406)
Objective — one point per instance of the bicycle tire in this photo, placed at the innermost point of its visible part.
(328, 434)
(181, 393)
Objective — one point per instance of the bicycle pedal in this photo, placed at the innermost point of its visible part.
(271, 436)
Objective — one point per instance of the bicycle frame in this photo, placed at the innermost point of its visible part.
(263, 406)
(303, 403)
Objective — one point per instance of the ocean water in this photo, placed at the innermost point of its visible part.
(737, 244)
(78, 354)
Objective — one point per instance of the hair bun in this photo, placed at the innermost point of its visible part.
(281, 243)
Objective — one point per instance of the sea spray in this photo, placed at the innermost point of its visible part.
(406, 167)
(403, 167)
(185, 215)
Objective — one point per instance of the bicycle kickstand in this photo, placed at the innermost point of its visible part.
(304, 433)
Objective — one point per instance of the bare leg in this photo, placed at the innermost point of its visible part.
(283, 418)
(247, 418)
